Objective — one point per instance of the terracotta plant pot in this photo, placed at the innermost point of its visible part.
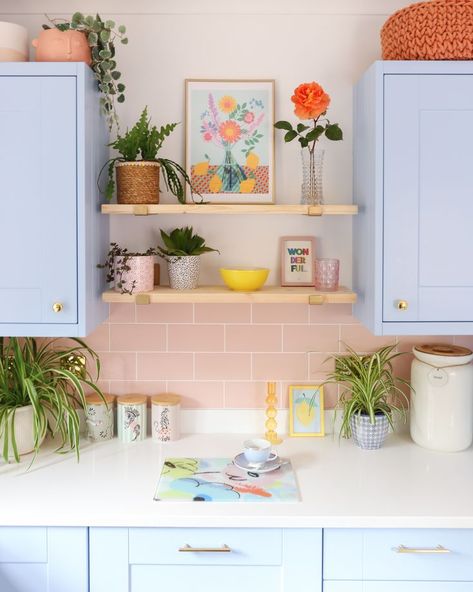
(23, 431)
(13, 43)
(137, 182)
(184, 272)
(141, 273)
(53, 45)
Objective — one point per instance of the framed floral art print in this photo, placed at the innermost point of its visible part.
(230, 140)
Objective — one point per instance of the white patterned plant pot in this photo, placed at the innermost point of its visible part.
(139, 277)
(184, 272)
(367, 435)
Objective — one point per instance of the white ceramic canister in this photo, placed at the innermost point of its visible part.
(99, 417)
(131, 418)
(165, 421)
(13, 43)
(441, 410)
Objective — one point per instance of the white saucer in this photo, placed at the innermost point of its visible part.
(271, 465)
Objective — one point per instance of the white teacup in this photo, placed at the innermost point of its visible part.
(258, 451)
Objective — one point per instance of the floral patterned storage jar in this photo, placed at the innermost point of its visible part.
(131, 418)
(165, 417)
(99, 417)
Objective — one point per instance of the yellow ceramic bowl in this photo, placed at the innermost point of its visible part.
(244, 279)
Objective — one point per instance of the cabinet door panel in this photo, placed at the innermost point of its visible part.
(428, 198)
(352, 586)
(38, 228)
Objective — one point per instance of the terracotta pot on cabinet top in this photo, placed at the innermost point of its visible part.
(53, 45)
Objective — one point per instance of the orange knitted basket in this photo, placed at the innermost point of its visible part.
(436, 30)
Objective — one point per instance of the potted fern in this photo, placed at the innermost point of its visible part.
(138, 166)
(182, 250)
(41, 390)
(370, 395)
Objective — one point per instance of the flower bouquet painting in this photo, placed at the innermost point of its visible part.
(230, 140)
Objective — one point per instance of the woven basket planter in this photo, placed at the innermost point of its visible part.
(436, 30)
(137, 182)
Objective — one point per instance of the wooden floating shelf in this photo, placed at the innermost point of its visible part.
(221, 294)
(287, 209)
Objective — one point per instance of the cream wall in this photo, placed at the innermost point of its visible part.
(331, 41)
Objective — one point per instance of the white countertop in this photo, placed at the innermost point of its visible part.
(401, 485)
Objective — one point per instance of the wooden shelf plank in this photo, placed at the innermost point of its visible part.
(287, 209)
(221, 294)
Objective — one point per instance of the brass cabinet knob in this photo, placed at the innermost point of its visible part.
(57, 307)
(402, 305)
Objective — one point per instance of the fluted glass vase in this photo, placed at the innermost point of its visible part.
(312, 172)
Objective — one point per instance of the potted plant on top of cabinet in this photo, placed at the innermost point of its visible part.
(87, 39)
(138, 165)
(40, 391)
(370, 395)
(182, 252)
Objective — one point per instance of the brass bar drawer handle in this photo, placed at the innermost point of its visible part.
(438, 550)
(189, 549)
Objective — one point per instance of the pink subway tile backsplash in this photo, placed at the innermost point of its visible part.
(142, 387)
(465, 341)
(361, 339)
(280, 313)
(222, 313)
(319, 338)
(335, 313)
(320, 364)
(245, 395)
(196, 338)
(122, 313)
(99, 340)
(197, 394)
(407, 343)
(137, 337)
(165, 313)
(165, 366)
(118, 366)
(227, 366)
(253, 338)
(280, 366)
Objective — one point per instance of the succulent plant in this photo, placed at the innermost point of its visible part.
(182, 242)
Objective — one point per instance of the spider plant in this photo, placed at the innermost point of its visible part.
(52, 381)
(369, 386)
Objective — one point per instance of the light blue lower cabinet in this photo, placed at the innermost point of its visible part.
(210, 559)
(353, 586)
(39, 559)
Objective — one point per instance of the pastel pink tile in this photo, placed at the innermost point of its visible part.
(253, 338)
(144, 387)
(137, 337)
(222, 313)
(280, 313)
(280, 366)
(319, 365)
(407, 343)
(361, 339)
(165, 366)
(464, 340)
(245, 395)
(118, 366)
(198, 395)
(165, 313)
(122, 313)
(321, 338)
(195, 338)
(226, 366)
(332, 313)
(99, 339)
(104, 385)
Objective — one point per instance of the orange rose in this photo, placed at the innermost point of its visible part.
(310, 100)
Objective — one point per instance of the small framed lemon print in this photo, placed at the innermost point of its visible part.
(230, 140)
(306, 411)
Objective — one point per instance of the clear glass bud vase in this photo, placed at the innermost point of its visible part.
(312, 172)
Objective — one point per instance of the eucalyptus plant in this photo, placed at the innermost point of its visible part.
(369, 386)
(102, 35)
(49, 377)
(182, 242)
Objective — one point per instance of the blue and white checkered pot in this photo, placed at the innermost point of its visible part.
(367, 435)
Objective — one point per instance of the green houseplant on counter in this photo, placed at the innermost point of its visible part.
(371, 395)
(41, 389)
(182, 250)
(138, 165)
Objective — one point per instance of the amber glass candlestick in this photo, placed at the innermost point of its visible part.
(271, 413)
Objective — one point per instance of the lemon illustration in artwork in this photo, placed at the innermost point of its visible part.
(252, 161)
(201, 168)
(305, 412)
(215, 184)
(247, 186)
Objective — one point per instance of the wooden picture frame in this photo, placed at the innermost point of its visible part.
(230, 140)
(297, 260)
(306, 411)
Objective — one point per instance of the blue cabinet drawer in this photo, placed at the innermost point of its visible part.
(247, 546)
(353, 586)
(23, 545)
(374, 554)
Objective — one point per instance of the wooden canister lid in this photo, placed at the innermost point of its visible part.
(95, 399)
(166, 399)
(132, 400)
(443, 349)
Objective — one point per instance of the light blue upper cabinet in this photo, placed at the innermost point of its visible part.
(52, 145)
(413, 181)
